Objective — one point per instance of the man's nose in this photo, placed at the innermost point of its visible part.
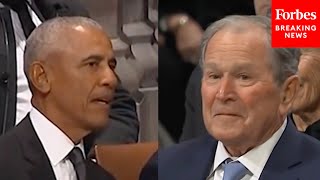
(109, 78)
(226, 89)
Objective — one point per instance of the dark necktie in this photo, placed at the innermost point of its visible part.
(21, 8)
(77, 159)
(234, 171)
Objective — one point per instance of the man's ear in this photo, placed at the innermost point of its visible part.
(288, 92)
(38, 76)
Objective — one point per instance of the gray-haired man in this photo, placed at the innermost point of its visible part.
(247, 91)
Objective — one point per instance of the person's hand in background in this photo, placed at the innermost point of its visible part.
(188, 34)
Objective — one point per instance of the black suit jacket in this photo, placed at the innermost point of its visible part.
(150, 170)
(23, 157)
(312, 130)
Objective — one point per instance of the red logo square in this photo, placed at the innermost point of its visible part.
(295, 23)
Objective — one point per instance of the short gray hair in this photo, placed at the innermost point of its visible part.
(284, 60)
(49, 35)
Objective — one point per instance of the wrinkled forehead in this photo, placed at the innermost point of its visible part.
(241, 36)
(242, 47)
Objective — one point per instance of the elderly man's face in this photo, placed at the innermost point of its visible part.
(308, 97)
(241, 100)
(82, 77)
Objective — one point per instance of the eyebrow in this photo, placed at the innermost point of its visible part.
(96, 57)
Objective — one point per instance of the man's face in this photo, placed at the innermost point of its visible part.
(240, 98)
(308, 97)
(82, 78)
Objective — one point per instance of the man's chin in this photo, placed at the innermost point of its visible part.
(97, 125)
(225, 136)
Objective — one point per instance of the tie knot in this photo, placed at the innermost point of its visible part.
(76, 156)
(234, 170)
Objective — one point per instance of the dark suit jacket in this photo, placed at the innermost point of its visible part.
(312, 130)
(23, 157)
(150, 170)
(295, 156)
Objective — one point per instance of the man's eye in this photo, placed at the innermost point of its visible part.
(93, 64)
(113, 64)
(244, 77)
(214, 76)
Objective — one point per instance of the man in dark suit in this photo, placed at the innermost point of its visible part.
(69, 63)
(15, 95)
(247, 90)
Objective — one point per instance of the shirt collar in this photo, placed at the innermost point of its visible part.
(55, 143)
(255, 159)
(221, 155)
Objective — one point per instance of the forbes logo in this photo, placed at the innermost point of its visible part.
(297, 15)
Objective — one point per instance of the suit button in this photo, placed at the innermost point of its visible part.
(4, 78)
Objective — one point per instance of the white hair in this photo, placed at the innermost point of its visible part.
(285, 60)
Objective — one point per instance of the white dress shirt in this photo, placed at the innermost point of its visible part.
(56, 145)
(254, 160)
(23, 105)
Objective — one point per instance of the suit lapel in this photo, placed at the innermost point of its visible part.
(37, 163)
(285, 156)
(37, 11)
(201, 161)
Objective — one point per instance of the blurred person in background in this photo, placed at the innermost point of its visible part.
(306, 107)
(181, 25)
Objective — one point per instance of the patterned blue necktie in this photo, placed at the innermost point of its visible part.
(234, 171)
